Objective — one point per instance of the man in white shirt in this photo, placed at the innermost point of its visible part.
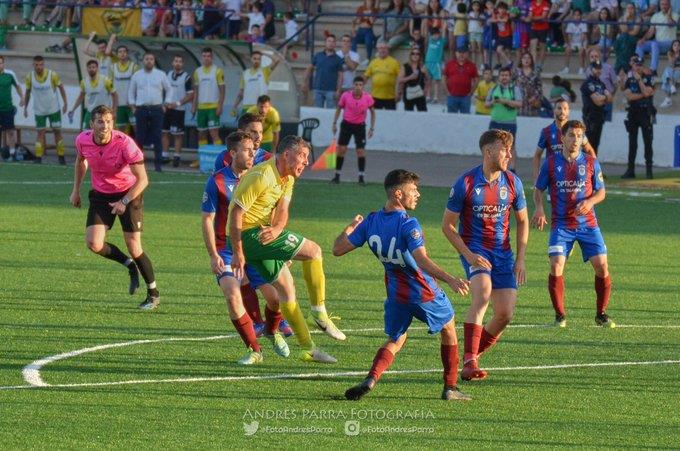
(350, 61)
(149, 91)
(232, 10)
(659, 37)
(182, 95)
(254, 82)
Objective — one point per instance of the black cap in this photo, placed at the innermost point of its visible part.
(596, 65)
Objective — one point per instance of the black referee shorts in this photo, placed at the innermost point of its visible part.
(348, 130)
(99, 212)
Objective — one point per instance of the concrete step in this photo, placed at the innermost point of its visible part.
(22, 63)
(34, 41)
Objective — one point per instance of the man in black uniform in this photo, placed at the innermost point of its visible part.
(595, 97)
(639, 90)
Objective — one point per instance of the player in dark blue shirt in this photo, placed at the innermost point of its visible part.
(396, 239)
(482, 200)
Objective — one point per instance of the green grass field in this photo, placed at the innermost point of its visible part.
(57, 297)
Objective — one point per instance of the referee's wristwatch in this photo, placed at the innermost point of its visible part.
(125, 201)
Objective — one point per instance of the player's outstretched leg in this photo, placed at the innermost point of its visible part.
(291, 311)
(133, 241)
(450, 360)
(240, 319)
(96, 234)
(603, 288)
(381, 362)
(315, 280)
(273, 318)
(556, 289)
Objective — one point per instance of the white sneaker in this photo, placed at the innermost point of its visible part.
(580, 71)
(279, 344)
(326, 325)
(565, 70)
(666, 102)
(673, 89)
(316, 355)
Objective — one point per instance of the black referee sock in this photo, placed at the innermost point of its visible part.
(112, 252)
(338, 163)
(362, 164)
(146, 269)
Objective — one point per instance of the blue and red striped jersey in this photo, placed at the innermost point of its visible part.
(392, 236)
(550, 139)
(216, 197)
(224, 158)
(484, 208)
(569, 183)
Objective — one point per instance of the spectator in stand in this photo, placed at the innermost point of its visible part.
(529, 82)
(419, 8)
(414, 82)
(646, 8)
(561, 90)
(362, 28)
(504, 33)
(291, 31)
(198, 9)
(164, 19)
(350, 61)
(488, 38)
(538, 18)
(212, 18)
(187, 20)
(460, 28)
(559, 11)
(520, 13)
(583, 5)
(671, 75)
(255, 17)
(482, 91)
(475, 27)
(659, 37)
(383, 71)
(602, 34)
(461, 78)
(626, 41)
(436, 19)
(398, 29)
(232, 11)
(148, 18)
(255, 36)
(434, 58)
(269, 12)
(598, 5)
(418, 41)
(577, 33)
(505, 99)
(327, 68)
(607, 76)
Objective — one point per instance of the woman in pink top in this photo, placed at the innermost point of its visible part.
(354, 103)
(118, 180)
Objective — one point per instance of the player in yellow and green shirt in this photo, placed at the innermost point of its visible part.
(208, 98)
(271, 122)
(258, 237)
(96, 89)
(42, 85)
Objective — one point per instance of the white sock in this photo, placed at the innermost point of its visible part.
(129, 261)
(12, 150)
(319, 308)
(152, 285)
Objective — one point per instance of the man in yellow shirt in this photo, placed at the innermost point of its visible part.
(258, 237)
(271, 124)
(383, 71)
(208, 98)
(254, 82)
(482, 91)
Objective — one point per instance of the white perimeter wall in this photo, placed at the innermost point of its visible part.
(440, 132)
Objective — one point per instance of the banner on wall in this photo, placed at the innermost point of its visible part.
(105, 21)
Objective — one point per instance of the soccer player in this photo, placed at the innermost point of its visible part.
(550, 139)
(254, 82)
(42, 85)
(354, 104)
(95, 90)
(208, 98)
(396, 239)
(481, 199)
(252, 124)
(218, 193)
(118, 180)
(7, 109)
(103, 54)
(576, 185)
(121, 73)
(181, 94)
(271, 122)
(258, 237)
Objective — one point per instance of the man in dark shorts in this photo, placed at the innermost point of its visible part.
(7, 108)
(173, 121)
(118, 181)
(538, 18)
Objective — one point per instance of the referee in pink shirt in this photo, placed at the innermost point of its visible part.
(354, 104)
(118, 180)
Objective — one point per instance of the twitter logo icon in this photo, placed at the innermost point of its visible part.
(251, 428)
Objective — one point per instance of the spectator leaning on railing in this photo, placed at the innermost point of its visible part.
(660, 35)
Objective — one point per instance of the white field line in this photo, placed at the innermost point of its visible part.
(32, 376)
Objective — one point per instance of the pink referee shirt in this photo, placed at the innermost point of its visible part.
(110, 163)
(354, 110)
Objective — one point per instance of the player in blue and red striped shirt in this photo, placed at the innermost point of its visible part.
(396, 239)
(576, 184)
(477, 223)
(215, 207)
(251, 124)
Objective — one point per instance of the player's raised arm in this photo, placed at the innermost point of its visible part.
(451, 233)
(342, 244)
(425, 263)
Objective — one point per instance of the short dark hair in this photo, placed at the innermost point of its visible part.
(247, 118)
(236, 138)
(256, 52)
(494, 135)
(461, 8)
(572, 124)
(95, 62)
(505, 69)
(577, 10)
(264, 98)
(102, 41)
(561, 100)
(346, 36)
(398, 177)
(331, 35)
(288, 15)
(178, 56)
(101, 110)
(255, 26)
(206, 50)
(359, 78)
(292, 142)
(38, 58)
(121, 47)
(502, 5)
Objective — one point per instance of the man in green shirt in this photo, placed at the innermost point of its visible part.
(504, 100)
(7, 108)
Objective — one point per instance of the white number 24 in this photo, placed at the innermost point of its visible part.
(393, 256)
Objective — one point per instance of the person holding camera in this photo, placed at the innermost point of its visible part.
(505, 100)
(639, 90)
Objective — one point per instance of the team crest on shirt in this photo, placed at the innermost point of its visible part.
(581, 170)
(504, 193)
(415, 234)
